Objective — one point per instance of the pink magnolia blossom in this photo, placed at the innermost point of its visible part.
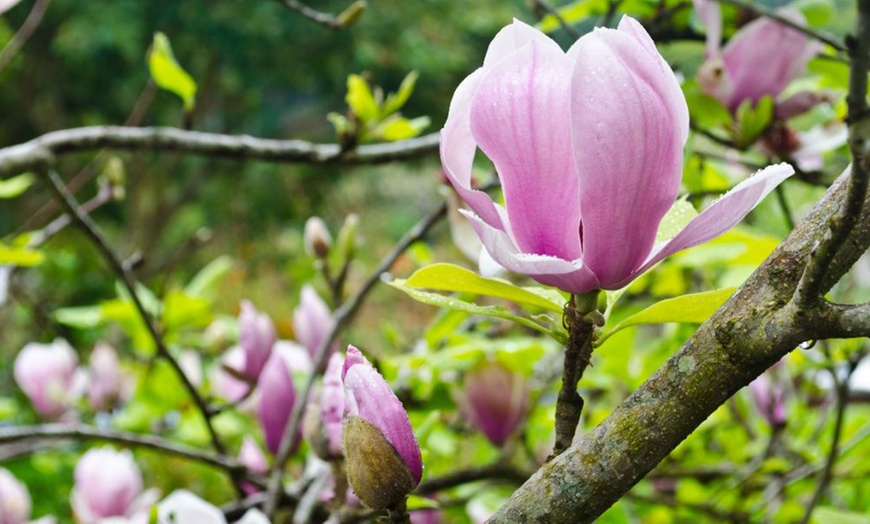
(761, 59)
(332, 403)
(277, 397)
(252, 457)
(47, 374)
(108, 484)
(227, 384)
(495, 400)
(588, 146)
(368, 396)
(769, 398)
(14, 500)
(312, 321)
(105, 379)
(257, 338)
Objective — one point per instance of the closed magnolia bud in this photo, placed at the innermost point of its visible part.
(46, 373)
(108, 484)
(316, 237)
(332, 404)
(495, 400)
(378, 475)
(14, 500)
(257, 338)
(382, 455)
(312, 321)
(769, 398)
(277, 397)
(226, 381)
(347, 237)
(105, 380)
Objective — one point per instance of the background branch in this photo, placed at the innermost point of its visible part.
(343, 19)
(762, 10)
(13, 47)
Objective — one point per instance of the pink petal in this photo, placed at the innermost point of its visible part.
(630, 121)
(512, 38)
(519, 119)
(570, 276)
(710, 14)
(277, 396)
(369, 397)
(722, 215)
(765, 56)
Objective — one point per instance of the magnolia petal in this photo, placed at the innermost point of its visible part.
(722, 215)
(573, 277)
(519, 119)
(277, 397)
(369, 397)
(513, 37)
(710, 15)
(629, 123)
(458, 148)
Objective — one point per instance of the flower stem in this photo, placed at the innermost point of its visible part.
(581, 318)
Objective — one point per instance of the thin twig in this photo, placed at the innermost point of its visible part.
(24, 33)
(11, 435)
(497, 471)
(841, 388)
(761, 10)
(786, 208)
(90, 228)
(30, 155)
(325, 19)
(858, 118)
(343, 317)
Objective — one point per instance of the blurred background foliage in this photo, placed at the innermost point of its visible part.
(265, 71)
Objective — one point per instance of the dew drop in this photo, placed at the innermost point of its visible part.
(807, 345)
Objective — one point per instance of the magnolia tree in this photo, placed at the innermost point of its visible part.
(584, 343)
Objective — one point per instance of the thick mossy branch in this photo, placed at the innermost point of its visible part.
(754, 329)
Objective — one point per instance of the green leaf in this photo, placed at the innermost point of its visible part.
(400, 128)
(826, 515)
(15, 186)
(396, 100)
(184, 311)
(83, 317)
(675, 220)
(20, 256)
(832, 73)
(204, 284)
(360, 99)
(817, 12)
(435, 299)
(690, 309)
(574, 13)
(753, 121)
(705, 111)
(448, 277)
(168, 74)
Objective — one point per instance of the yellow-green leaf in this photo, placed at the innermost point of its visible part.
(19, 256)
(168, 74)
(360, 98)
(396, 100)
(12, 187)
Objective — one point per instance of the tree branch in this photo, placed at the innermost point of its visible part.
(761, 10)
(34, 18)
(30, 155)
(10, 435)
(750, 332)
(345, 18)
(343, 317)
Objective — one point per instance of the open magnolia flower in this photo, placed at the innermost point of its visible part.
(588, 146)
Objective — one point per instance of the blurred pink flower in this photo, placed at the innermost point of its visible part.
(252, 457)
(257, 338)
(495, 400)
(105, 379)
(769, 398)
(108, 484)
(225, 383)
(14, 500)
(588, 147)
(312, 321)
(47, 375)
(277, 397)
(332, 403)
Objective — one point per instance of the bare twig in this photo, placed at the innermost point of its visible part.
(543, 5)
(24, 33)
(326, 19)
(30, 155)
(90, 228)
(761, 10)
(497, 471)
(858, 117)
(12, 435)
(343, 316)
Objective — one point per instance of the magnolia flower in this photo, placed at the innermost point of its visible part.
(762, 58)
(183, 507)
(495, 400)
(226, 383)
(14, 499)
(312, 320)
(105, 380)
(769, 398)
(252, 457)
(108, 484)
(277, 397)
(332, 404)
(382, 455)
(257, 337)
(47, 374)
(588, 148)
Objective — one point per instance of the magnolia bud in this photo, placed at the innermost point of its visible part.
(277, 397)
(252, 457)
(495, 400)
(383, 459)
(104, 377)
(323, 418)
(257, 338)
(46, 373)
(14, 500)
(312, 321)
(347, 237)
(108, 483)
(769, 398)
(316, 238)
(226, 381)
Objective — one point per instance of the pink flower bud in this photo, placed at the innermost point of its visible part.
(383, 458)
(104, 377)
(277, 397)
(495, 400)
(46, 373)
(252, 457)
(257, 337)
(332, 403)
(312, 321)
(14, 500)
(769, 398)
(225, 381)
(597, 133)
(317, 239)
(108, 483)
